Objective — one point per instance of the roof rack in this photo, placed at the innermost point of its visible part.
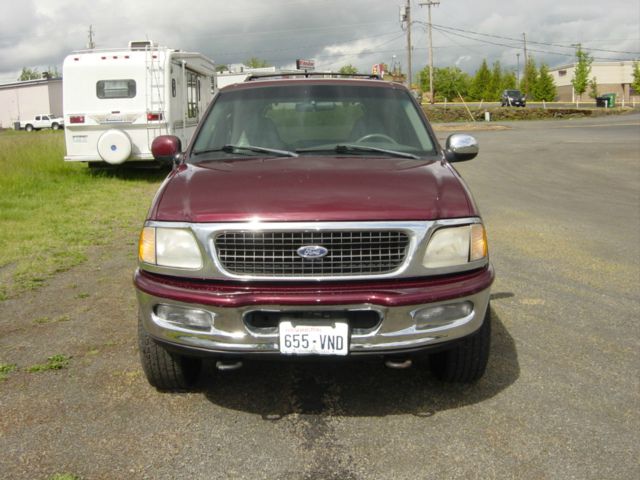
(260, 76)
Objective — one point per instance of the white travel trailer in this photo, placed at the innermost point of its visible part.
(117, 101)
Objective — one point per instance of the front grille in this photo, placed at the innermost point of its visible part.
(274, 254)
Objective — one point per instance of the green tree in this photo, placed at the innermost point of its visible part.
(348, 70)
(530, 78)
(51, 73)
(221, 68)
(635, 83)
(29, 74)
(509, 82)
(581, 73)
(593, 88)
(448, 82)
(480, 84)
(545, 88)
(494, 89)
(255, 62)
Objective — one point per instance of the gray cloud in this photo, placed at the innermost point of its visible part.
(39, 33)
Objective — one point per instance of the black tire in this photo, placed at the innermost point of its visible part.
(28, 127)
(55, 126)
(466, 362)
(166, 370)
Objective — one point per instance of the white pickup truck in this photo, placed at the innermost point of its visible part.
(42, 121)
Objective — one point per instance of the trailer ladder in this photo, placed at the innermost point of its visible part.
(155, 89)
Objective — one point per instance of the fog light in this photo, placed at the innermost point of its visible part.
(185, 317)
(430, 317)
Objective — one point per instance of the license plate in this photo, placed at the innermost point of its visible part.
(297, 338)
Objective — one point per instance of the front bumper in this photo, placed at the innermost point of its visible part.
(396, 303)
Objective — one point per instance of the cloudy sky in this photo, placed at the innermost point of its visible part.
(40, 33)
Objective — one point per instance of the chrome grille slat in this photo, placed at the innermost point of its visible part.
(273, 254)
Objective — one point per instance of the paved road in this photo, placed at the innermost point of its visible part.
(561, 201)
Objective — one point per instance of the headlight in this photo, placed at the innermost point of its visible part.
(169, 247)
(456, 246)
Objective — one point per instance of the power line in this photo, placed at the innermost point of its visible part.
(502, 37)
(370, 52)
(453, 31)
(311, 46)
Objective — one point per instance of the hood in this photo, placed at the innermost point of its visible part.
(314, 188)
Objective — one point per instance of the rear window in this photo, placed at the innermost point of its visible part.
(116, 88)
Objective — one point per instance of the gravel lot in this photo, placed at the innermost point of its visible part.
(561, 202)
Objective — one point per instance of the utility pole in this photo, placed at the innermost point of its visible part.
(405, 17)
(526, 63)
(429, 4)
(518, 71)
(91, 45)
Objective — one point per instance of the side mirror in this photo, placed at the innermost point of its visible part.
(461, 147)
(166, 148)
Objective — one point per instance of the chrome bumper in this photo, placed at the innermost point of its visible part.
(397, 330)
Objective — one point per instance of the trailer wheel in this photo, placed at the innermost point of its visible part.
(55, 126)
(28, 127)
(114, 146)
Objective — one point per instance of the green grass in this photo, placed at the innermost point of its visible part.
(6, 369)
(52, 212)
(55, 362)
(64, 476)
(45, 320)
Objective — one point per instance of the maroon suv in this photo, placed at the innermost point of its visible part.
(313, 217)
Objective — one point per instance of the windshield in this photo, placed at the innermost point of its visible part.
(514, 93)
(312, 120)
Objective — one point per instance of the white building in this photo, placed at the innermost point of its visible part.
(238, 73)
(24, 100)
(611, 77)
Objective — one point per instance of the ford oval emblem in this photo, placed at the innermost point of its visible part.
(312, 251)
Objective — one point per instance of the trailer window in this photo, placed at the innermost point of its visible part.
(116, 88)
(192, 95)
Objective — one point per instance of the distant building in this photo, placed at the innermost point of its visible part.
(23, 100)
(612, 77)
(238, 73)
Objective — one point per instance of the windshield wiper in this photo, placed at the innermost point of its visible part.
(351, 148)
(249, 148)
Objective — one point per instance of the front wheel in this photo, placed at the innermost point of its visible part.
(467, 361)
(55, 126)
(166, 370)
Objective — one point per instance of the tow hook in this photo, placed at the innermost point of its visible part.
(223, 365)
(398, 363)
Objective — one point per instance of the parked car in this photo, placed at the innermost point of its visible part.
(313, 217)
(513, 98)
(41, 121)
